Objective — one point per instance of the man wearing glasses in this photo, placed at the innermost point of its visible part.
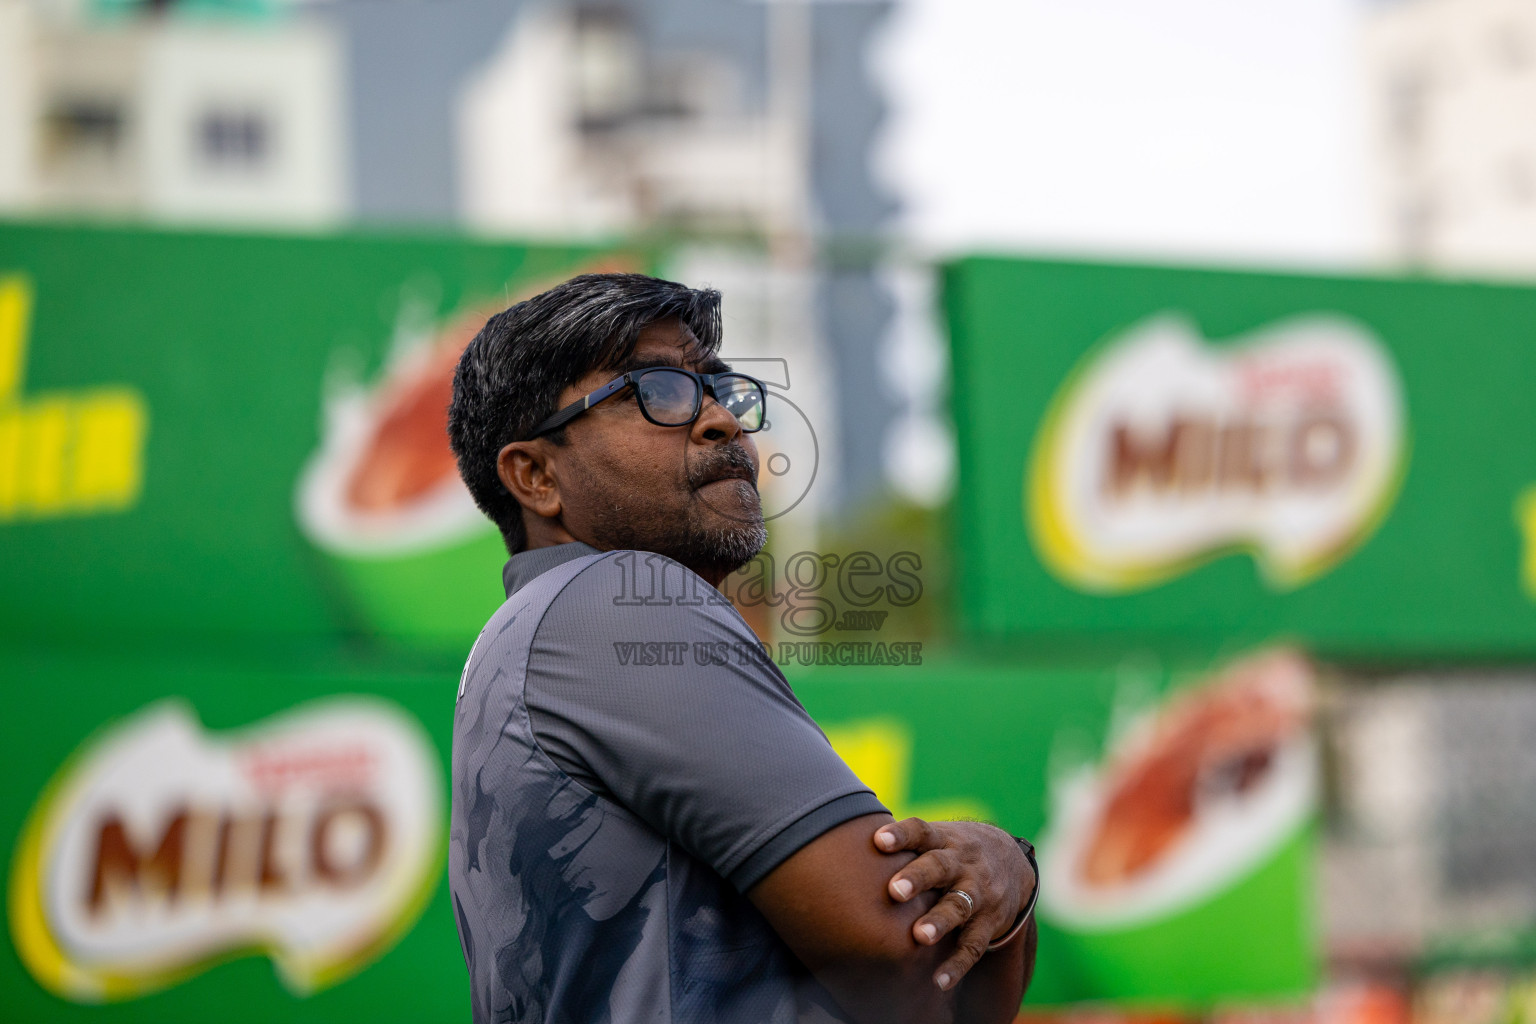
(664, 840)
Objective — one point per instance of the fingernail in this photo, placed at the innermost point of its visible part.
(903, 888)
(886, 840)
(944, 981)
(930, 933)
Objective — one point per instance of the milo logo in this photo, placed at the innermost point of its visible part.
(159, 849)
(1163, 450)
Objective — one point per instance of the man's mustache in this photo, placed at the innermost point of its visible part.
(727, 462)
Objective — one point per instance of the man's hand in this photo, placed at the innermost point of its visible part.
(830, 904)
(979, 859)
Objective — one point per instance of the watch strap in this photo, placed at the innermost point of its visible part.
(1029, 908)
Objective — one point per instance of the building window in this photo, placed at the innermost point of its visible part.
(84, 130)
(235, 140)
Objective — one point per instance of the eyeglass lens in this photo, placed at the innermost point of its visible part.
(742, 398)
(672, 398)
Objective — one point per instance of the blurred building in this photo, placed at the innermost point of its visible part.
(1451, 88)
(1432, 816)
(209, 120)
(575, 125)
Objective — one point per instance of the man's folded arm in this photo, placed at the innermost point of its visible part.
(828, 902)
(721, 758)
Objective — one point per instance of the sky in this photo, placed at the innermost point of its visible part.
(1194, 130)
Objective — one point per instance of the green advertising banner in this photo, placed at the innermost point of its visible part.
(240, 574)
(1191, 460)
(196, 839)
(240, 440)
(1174, 811)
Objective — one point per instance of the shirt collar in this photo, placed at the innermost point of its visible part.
(526, 566)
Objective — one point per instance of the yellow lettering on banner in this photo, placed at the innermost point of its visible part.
(1525, 516)
(879, 751)
(10, 461)
(62, 453)
(109, 437)
(45, 441)
(15, 311)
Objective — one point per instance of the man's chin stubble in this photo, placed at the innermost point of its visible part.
(710, 537)
(727, 544)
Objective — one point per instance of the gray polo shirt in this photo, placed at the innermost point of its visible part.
(626, 764)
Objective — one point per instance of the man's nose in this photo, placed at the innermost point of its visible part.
(715, 423)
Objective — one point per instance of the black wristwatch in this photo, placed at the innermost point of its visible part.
(1034, 896)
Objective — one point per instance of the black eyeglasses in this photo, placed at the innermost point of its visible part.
(672, 397)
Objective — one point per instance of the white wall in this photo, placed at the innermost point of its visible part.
(17, 100)
(520, 169)
(291, 75)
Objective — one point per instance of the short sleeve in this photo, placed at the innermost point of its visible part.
(672, 709)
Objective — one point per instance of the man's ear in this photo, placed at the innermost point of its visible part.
(526, 471)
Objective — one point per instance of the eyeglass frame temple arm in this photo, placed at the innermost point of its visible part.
(580, 406)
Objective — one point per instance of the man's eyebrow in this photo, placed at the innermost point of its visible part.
(639, 362)
(710, 364)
